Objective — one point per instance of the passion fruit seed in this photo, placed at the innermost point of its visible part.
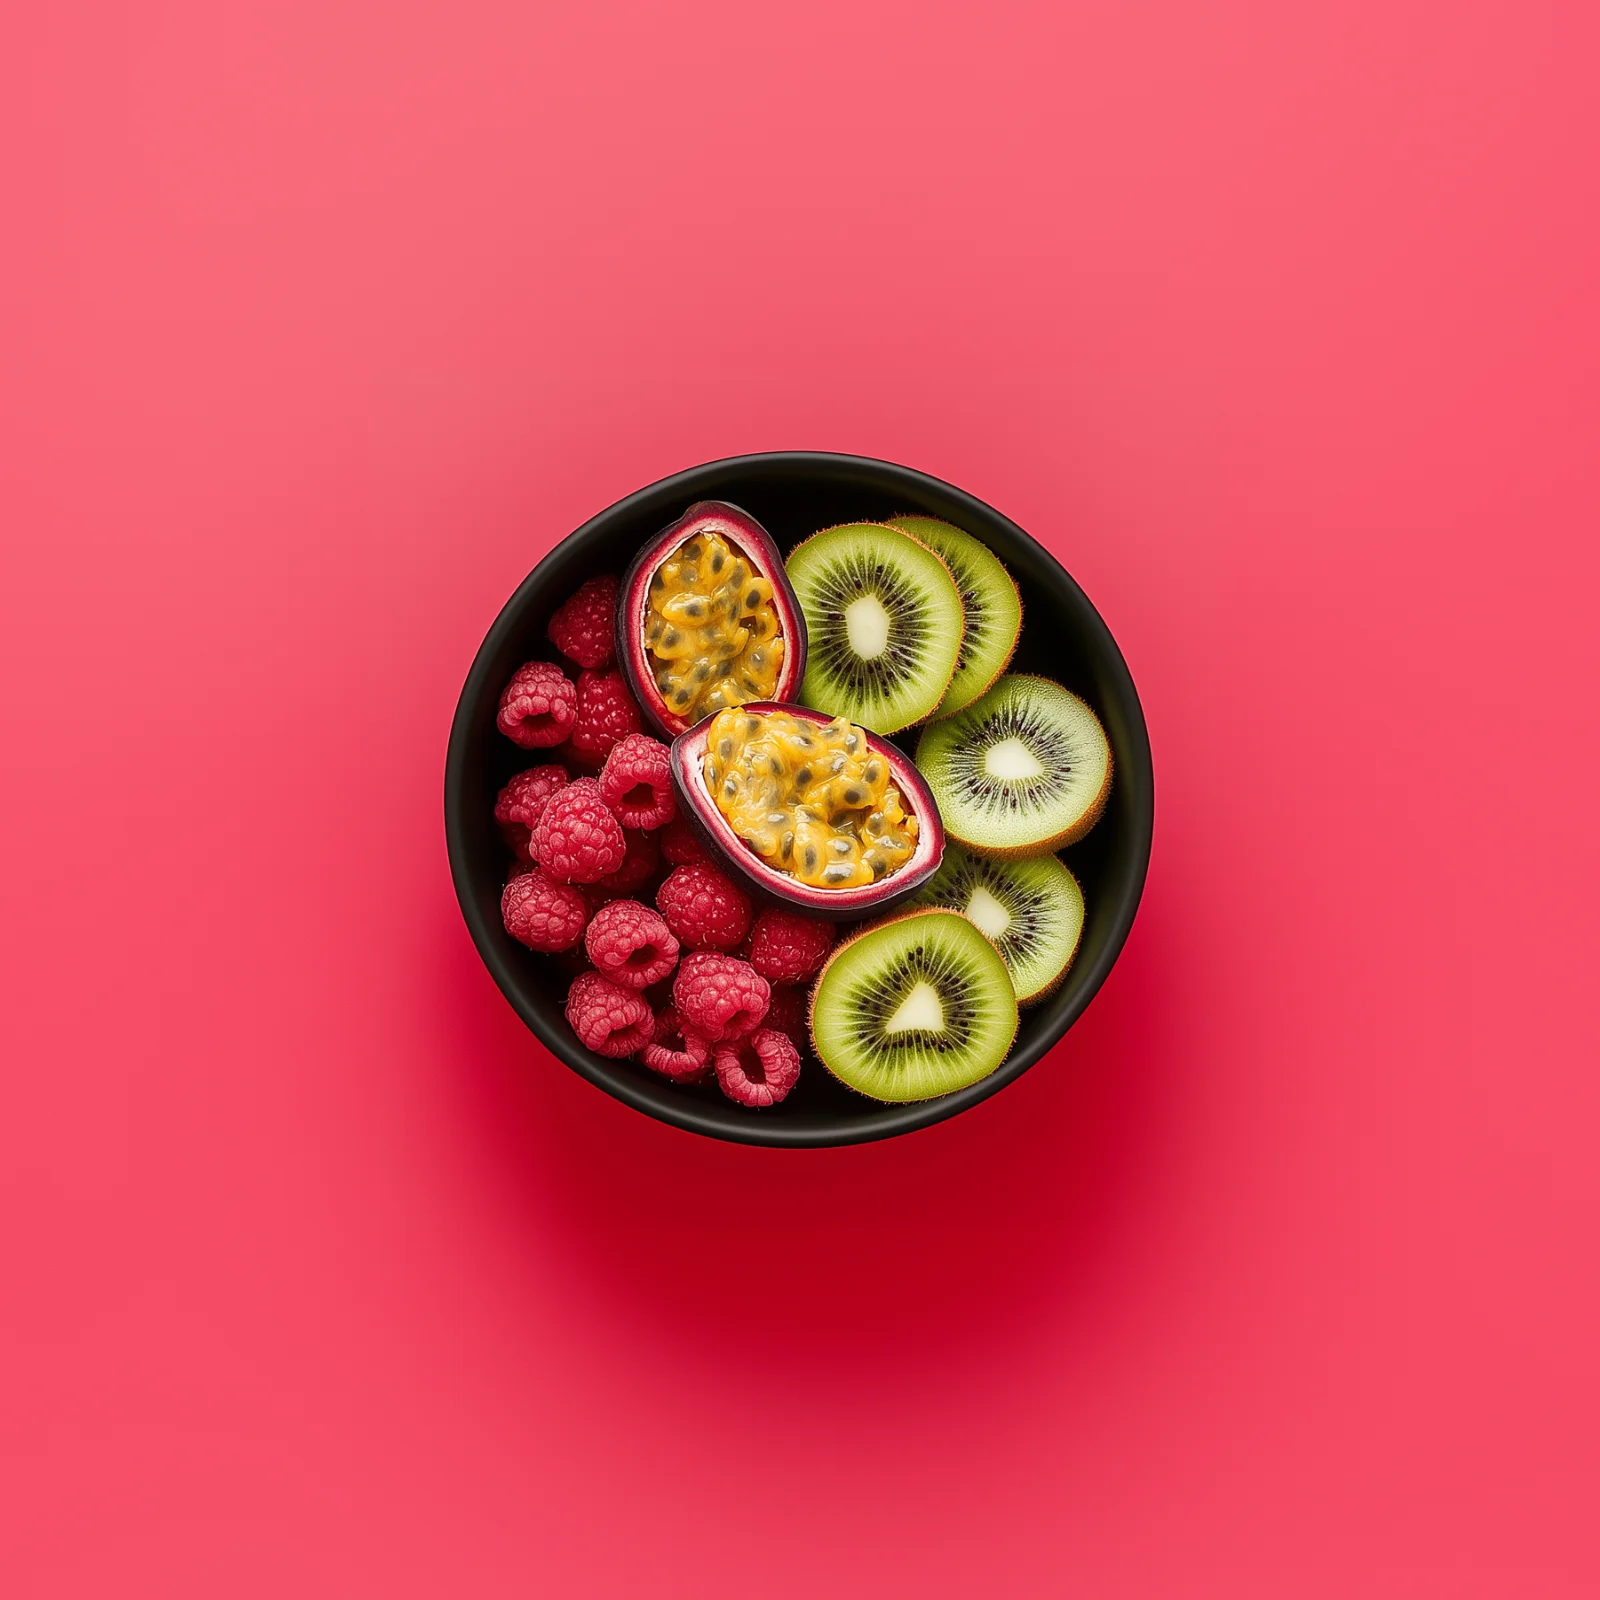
(798, 796)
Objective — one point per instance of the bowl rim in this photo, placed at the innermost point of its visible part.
(616, 1078)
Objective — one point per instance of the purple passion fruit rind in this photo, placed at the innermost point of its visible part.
(695, 656)
(772, 884)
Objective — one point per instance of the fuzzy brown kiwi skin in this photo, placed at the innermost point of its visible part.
(900, 533)
(1022, 621)
(1048, 847)
(839, 950)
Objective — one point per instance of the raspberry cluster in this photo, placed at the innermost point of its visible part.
(669, 961)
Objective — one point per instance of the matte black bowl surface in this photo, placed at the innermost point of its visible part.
(793, 493)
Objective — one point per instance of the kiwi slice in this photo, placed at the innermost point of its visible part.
(988, 597)
(1030, 911)
(883, 621)
(1022, 771)
(913, 1007)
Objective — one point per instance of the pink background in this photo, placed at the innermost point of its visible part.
(319, 322)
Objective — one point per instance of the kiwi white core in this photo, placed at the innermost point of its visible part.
(866, 624)
(1011, 759)
(991, 917)
(921, 1010)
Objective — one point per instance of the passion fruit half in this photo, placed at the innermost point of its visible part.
(706, 619)
(806, 810)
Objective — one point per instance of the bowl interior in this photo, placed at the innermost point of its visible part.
(792, 494)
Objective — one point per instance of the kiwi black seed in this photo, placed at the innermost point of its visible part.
(884, 621)
(988, 597)
(1022, 771)
(1031, 911)
(913, 1007)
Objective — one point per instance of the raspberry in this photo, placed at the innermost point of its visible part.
(642, 858)
(518, 806)
(788, 1013)
(703, 909)
(605, 714)
(611, 1021)
(584, 627)
(785, 948)
(543, 914)
(637, 782)
(760, 1070)
(630, 944)
(718, 997)
(539, 706)
(681, 845)
(578, 840)
(683, 1057)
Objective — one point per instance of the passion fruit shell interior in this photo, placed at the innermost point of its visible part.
(921, 830)
(706, 619)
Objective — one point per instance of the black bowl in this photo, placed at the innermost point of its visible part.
(792, 493)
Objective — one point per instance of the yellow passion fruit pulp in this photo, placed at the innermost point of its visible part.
(711, 629)
(814, 801)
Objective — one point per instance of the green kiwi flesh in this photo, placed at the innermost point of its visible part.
(988, 596)
(883, 621)
(913, 1007)
(1022, 771)
(1030, 910)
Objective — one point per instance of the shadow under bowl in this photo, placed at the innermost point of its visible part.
(792, 493)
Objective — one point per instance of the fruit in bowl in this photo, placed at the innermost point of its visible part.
(767, 915)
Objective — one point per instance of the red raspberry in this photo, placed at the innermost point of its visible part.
(786, 948)
(578, 840)
(539, 706)
(605, 714)
(642, 859)
(543, 914)
(520, 802)
(680, 844)
(703, 908)
(637, 782)
(683, 1057)
(610, 1020)
(789, 1013)
(760, 1070)
(630, 944)
(718, 997)
(584, 628)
